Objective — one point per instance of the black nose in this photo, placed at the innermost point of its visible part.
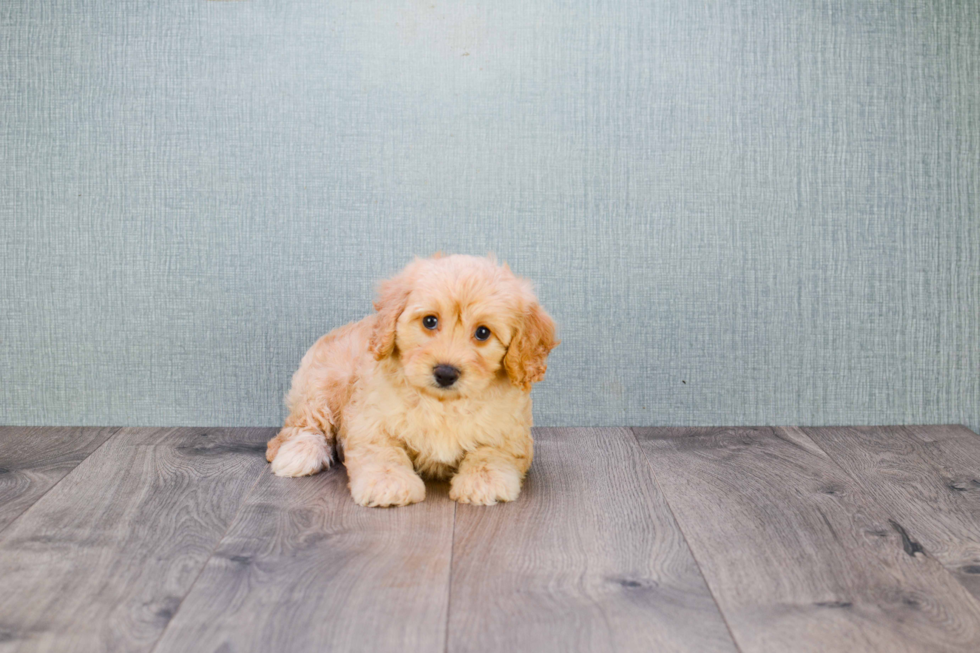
(446, 375)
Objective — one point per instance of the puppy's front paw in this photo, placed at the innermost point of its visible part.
(300, 453)
(386, 486)
(485, 486)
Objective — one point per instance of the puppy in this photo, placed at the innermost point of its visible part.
(436, 383)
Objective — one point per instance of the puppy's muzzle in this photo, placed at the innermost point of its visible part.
(445, 375)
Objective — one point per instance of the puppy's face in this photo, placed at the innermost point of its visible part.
(458, 322)
(452, 337)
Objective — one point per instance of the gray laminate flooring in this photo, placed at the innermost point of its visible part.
(652, 539)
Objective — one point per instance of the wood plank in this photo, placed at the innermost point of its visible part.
(33, 459)
(798, 557)
(304, 568)
(102, 561)
(587, 559)
(926, 477)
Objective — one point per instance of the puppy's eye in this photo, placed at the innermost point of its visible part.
(430, 322)
(482, 333)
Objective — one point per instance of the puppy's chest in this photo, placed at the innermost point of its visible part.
(441, 432)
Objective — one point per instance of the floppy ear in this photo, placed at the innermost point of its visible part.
(526, 357)
(391, 301)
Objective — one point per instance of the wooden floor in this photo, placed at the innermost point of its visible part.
(656, 539)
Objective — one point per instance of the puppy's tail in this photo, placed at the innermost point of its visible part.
(299, 451)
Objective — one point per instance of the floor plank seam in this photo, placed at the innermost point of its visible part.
(449, 588)
(687, 542)
(895, 523)
(190, 588)
(5, 529)
(907, 542)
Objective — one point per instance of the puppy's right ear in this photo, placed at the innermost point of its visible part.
(527, 356)
(391, 301)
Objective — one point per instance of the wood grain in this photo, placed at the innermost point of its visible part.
(102, 561)
(926, 477)
(304, 568)
(33, 459)
(587, 559)
(798, 557)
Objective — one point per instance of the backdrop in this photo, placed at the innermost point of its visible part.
(739, 212)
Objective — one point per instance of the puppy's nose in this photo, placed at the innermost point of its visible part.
(446, 375)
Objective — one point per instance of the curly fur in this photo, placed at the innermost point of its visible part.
(368, 388)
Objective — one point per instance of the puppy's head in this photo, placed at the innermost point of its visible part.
(456, 322)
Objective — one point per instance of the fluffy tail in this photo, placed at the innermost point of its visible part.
(299, 451)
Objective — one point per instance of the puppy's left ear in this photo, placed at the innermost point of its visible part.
(527, 356)
(391, 301)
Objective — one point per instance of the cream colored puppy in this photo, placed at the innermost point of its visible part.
(437, 382)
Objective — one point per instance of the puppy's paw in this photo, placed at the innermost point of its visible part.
(386, 486)
(300, 453)
(485, 486)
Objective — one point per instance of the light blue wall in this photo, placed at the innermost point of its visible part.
(740, 212)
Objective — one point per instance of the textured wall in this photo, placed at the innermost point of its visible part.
(739, 212)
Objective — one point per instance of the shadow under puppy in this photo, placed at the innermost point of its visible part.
(437, 382)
